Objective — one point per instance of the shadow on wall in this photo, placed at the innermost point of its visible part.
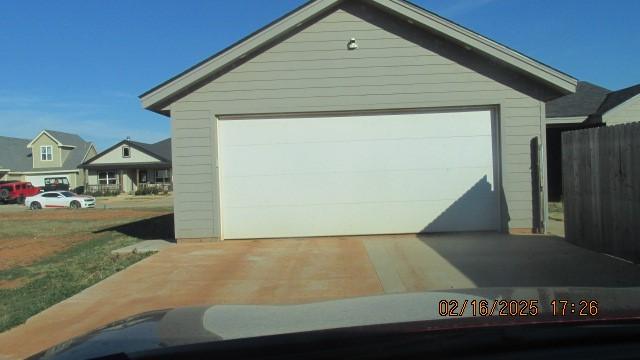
(536, 204)
(476, 209)
(155, 228)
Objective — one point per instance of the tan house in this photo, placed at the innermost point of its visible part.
(50, 156)
(128, 166)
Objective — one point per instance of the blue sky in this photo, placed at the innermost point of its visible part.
(79, 66)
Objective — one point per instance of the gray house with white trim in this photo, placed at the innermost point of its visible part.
(352, 117)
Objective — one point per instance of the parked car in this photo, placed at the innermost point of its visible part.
(16, 191)
(59, 183)
(59, 199)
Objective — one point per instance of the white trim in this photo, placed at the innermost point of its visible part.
(46, 153)
(544, 182)
(218, 166)
(30, 144)
(566, 120)
(116, 176)
(46, 172)
(84, 158)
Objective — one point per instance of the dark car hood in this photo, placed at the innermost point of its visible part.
(190, 325)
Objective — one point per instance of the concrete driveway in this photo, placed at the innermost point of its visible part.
(306, 270)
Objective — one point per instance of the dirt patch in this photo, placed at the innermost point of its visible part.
(24, 251)
(86, 214)
(39, 234)
(12, 284)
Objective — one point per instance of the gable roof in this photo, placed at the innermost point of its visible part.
(61, 138)
(14, 154)
(616, 98)
(584, 102)
(77, 155)
(160, 150)
(162, 95)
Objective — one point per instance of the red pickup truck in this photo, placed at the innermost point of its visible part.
(16, 191)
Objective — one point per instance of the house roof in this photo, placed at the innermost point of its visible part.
(162, 95)
(584, 102)
(14, 154)
(160, 150)
(66, 138)
(616, 98)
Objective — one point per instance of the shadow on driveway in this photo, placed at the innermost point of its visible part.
(500, 260)
(159, 227)
(472, 260)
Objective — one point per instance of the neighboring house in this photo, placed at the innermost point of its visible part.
(51, 154)
(358, 117)
(590, 106)
(130, 165)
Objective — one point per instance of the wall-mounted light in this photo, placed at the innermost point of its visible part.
(352, 44)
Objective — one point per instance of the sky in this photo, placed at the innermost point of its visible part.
(79, 65)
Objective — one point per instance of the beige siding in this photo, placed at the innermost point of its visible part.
(627, 112)
(115, 157)
(45, 140)
(92, 177)
(313, 71)
(91, 153)
(195, 175)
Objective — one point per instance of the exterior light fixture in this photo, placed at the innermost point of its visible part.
(352, 44)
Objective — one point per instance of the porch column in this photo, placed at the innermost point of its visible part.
(137, 179)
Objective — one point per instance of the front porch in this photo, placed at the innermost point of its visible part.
(138, 181)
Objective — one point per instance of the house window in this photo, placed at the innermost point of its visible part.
(46, 153)
(142, 177)
(107, 177)
(162, 176)
(126, 152)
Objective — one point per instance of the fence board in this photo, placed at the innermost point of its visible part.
(601, 185)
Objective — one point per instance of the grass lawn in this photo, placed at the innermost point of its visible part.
(48, 256)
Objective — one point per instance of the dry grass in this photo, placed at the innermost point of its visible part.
(48, 256)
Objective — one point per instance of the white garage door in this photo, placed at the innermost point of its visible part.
(352, 175)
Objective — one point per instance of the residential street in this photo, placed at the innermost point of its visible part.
(306, 270)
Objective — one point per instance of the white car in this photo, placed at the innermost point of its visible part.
(59, 199)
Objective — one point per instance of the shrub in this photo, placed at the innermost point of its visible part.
(106, 192)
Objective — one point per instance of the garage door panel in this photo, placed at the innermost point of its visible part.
(352, 128)
(354, 175)
(350, 219)
(299, 189)
(362, 156)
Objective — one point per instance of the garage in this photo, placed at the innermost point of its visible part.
(358, 174)
(358, 117)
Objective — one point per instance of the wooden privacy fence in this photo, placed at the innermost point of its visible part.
(601, 186)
